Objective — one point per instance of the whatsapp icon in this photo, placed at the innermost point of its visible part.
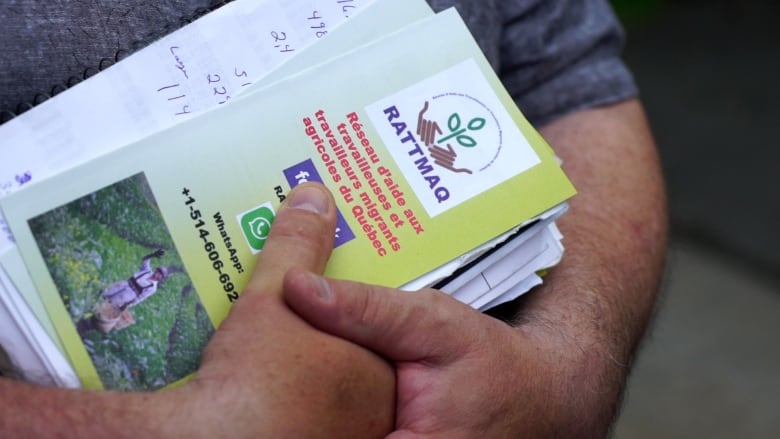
(256, 224)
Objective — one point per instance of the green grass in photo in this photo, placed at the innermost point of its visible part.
(102, 238)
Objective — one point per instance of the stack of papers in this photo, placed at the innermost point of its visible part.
(174, 161)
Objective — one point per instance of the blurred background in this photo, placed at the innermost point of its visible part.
(709, 72)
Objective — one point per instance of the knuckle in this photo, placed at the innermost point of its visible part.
(446, 314)
(300, 228)
(366, 310)
(436, 305)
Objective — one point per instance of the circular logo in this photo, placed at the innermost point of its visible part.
(467, 128)
(260, 227)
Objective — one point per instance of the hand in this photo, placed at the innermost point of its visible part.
(266, 372)
(427, 129)
(461, 373)
(158, 253)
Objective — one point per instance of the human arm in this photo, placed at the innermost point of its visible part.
(559, 368)
(145, 261)
(265, 372)
(597, 304)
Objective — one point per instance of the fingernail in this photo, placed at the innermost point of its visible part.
(320, 287)
(308, 197)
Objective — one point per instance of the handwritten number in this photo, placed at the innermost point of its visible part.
(278, 36)
(346, 7)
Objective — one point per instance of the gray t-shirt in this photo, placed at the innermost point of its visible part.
(554, 56)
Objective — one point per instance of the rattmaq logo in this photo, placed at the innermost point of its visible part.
(465, 141)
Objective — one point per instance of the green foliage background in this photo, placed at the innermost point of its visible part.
(100, 239)
(633, 12)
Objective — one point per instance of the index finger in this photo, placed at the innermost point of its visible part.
(301, 236)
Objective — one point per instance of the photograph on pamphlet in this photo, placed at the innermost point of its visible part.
(123, 284)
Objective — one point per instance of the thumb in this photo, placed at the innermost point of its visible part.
(426, 325)
(302, 236)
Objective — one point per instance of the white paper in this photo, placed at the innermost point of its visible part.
(489, 277)
(500, 256)
(27, 343)
(525, 277)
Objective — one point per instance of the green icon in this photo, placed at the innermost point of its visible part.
(256, 224)
(454, 124)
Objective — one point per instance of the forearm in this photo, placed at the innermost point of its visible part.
(615, 232)
(44, 412)
(596, 304)
(296, 382)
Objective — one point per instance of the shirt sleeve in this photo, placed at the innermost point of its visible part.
(146, 267)
(557, 57)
